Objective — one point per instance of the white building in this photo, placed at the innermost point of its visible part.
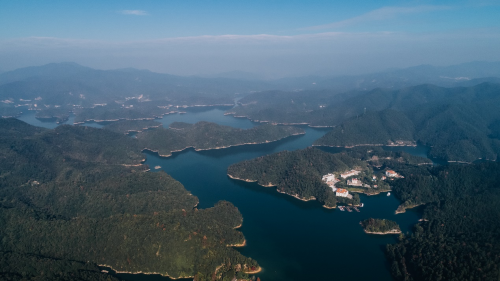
(391, 173)
(342, 192)
(330, 180)
(354, 182)
(349, 173)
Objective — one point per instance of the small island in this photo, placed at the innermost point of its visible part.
(207, 135)
(380, 226)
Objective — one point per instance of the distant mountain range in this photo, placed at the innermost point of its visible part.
(466, 74)
(58, 88)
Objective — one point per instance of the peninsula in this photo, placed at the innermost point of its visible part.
(206, 135)
(127, 126)
(298, 173)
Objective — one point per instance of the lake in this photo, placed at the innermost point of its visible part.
(291, 239)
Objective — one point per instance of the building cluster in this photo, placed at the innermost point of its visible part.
(331, 180)
(354, 182)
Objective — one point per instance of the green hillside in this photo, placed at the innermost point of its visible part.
(206, 135)
(79, 197)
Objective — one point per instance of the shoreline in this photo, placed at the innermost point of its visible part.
(140, 272)
(155, 117)
(403, 208)
(392, 231)
(218, 147)
(242, 244)
(282, 192)
(367, 144)
(277, 123)
(259, 269)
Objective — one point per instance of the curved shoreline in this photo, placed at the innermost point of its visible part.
(402, 209)
(277, 123)
(218, 147)
(257, 270)
(392, 231)
(242, 244)
(282, 192)
(366, 144)
(146, 273)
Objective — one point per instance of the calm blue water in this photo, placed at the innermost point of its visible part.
(29, 117)
(291, 239)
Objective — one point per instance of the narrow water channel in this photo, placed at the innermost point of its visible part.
(291, 239)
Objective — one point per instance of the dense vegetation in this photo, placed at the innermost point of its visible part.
(330, 108)
(459, 124)
(374, 128)
(381, 226)
(380, 160)
(60, 114)
(15, 266)
(126, 126)
(459, 238)
(298, 173)
(67, 199)
(206, 135)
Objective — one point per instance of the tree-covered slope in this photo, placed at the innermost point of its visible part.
(330, 108)
(206, 135)
(380, 226)
(374, 128)
(458, 239)
(17, 267)
(66, 195)
(459, 128)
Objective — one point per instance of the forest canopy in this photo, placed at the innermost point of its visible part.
(80, 194)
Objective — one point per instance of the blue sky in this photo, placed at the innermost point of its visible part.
(277, 38)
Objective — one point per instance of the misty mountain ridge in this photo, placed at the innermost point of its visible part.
(447, 76)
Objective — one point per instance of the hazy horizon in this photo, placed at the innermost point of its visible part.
(277, 39)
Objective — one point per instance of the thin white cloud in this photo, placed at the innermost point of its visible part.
(381, 14)
(274, 55)
(133, 12)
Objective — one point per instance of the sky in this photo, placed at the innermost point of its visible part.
(271, 38)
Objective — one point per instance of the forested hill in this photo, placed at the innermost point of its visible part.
(462, 127)
(373, 128)
(297, 173)
(330, 108)
(67, 201)
(207, 135)
(380, 226)
(459, 238)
